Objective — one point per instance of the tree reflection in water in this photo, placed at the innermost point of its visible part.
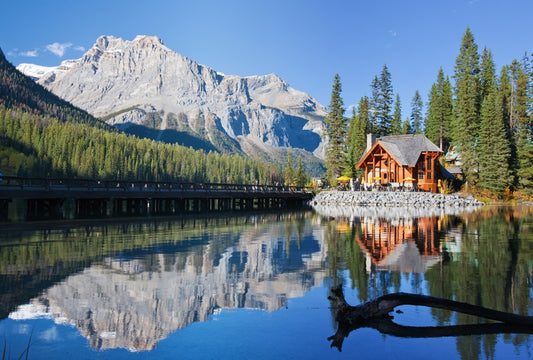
(376, 314)
(143, 281)
(480, 257)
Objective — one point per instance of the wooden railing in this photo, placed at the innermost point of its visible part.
(57, 184)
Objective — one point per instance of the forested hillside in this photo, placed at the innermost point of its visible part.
(484, 114)
(42, 135)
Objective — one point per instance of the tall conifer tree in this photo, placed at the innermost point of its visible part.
(487, 78)
(494, 148)
(288, 172)
(467, 105)
(300, 176)
(336, 132)
(373, 105)
(384, 106)
(521, 124)
(406, 126)
(524, 148)
(359, 127)
(351, 162)
(440, 112)
(396, 126)
(416, 113)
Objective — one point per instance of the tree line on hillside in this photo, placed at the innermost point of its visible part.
(18, 91)
(33, 145)
(42, 135)
(485, 116)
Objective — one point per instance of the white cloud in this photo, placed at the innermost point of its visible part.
(393, 33)
(79, 48)
(349, 110)
(30, 53)
(57, 48)
(50, 334)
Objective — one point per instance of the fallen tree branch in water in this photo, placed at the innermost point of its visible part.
(375, 314)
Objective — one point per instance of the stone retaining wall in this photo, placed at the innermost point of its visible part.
(392, 199)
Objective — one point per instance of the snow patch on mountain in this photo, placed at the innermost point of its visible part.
(143, 82)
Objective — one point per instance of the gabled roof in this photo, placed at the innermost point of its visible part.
(405, 149)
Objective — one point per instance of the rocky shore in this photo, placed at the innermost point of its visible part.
(393, 199)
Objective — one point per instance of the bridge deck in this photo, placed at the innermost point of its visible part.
(43, 188)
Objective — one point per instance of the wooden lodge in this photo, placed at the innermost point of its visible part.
(403, 161)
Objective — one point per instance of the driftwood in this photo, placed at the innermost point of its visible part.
(375, 314)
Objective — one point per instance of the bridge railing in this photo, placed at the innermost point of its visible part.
(21, 183)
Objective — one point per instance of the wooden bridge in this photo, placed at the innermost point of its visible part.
(82, 198)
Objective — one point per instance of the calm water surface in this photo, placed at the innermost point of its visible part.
(256, 286)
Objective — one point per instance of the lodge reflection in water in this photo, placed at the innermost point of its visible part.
(406, 245)
(135, 301)
(404, 239)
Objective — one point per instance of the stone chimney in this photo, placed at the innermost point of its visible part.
(370, 140)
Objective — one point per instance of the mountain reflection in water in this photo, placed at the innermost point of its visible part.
(130, 284)
(135, 300)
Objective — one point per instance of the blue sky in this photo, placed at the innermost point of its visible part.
(306, 42)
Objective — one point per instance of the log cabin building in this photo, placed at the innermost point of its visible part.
(410, 161)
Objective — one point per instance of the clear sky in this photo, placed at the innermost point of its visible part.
(306, 42)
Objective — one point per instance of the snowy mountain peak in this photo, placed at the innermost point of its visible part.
(107, 43)
(142, 82)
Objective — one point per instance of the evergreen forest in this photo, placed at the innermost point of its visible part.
(482, 114)
(42, 135)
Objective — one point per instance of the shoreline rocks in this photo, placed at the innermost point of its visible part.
(393, 199)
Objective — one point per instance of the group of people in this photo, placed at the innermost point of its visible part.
(358, 185)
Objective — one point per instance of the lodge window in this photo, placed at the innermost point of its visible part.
(428, 163)
(428, 176)
(421, 175)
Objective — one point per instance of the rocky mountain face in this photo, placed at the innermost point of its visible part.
(145, 88)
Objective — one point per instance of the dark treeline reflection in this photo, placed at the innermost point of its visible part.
(33, 257)
(482, 258)
(131, 284)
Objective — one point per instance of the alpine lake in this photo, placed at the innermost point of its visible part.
(255, 285)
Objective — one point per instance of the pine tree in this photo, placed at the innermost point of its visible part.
(467, 105)
(336, 132)
(351, 162)
(416, 113)
(519, 101)
(487, 78)
(373, 105)
(359, 128)
(406, 126)
(521, 124)
(440, 112)
(384, 103)
(301, 176)
(524, 147)
(396, 125)
(504, 95)
(494, 148)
